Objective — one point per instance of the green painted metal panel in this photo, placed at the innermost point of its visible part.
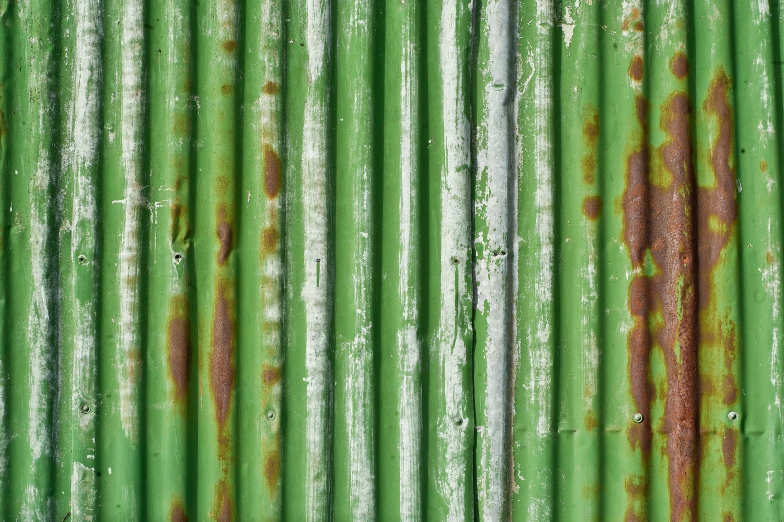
(411, 260)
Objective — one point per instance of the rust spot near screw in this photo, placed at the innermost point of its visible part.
(271, 172)
(636, 68)
(179, 348)
(229, 46)
(679, 65)
(592, 207)
(729, 445)
(270, 88)
(177, 512)
(270, 375)
(222, 364)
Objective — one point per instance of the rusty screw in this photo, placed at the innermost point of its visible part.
(733, 415)
(637, 417)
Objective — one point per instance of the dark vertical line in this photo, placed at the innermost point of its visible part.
(424, 248)
(192, 442)
(555, 340)
(377, 197)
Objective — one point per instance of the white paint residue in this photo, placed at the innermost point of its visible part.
(492, 264)
(128, 358)
(568, 27)
(83, 492)
(772, 283)
(316, 292)
(455, 279)
(408, 345)
(763, 11)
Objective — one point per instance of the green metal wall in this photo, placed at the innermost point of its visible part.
(411, 260)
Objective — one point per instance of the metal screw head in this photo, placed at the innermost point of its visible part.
(177, 258)
(459, 421)
(82, 259)
(637, 417)
(733, 415)
(85, 409)
(270, 414)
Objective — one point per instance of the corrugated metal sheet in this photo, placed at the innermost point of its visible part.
(406, 260)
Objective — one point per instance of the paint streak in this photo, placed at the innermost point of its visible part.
(679, 65)
(592, 207)
(222, 365)
(179, 345)
(223, 505)
(272, 180)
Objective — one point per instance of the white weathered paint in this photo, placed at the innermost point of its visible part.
(455, 245)
(408, 344)
(771, 281)
(494, 171)
(128, 358)
(568, 26)
(316, 292)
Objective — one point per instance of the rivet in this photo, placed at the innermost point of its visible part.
(85, 409)
(82, 259)
(637, 417)
(733, 415)
(177, 258)
(459, 421)
(270, 414)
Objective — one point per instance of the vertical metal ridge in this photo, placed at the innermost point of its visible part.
(400, 365)
(492, 249)
(451, 437)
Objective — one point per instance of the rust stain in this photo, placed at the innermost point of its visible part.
(590, 420)
(590, 140)
(763, 166)
(272, 471)
(178, 213)
(271, 172)
(592, 207)
(727, 517)
(269, 239)
(636, 490)
(177, 513)
(225, 237)
(222, 365)
(769, 259)
(729, 446)
(658, 221)
(679, 65)
(179, 344)
(227, 89)
(229, 46)
(270, 375)
(223, 506)
(638, 26)
(270, 88)
(636, 68)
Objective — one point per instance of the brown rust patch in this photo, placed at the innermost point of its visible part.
(270, 88)
(177, 512)
(769, 259)
(590, 421)
(272, 470)
(638, 26)
(590, 141)
(763, 166)
(227, 89)
(679, 65)
(636, 491)
(729, 445)
(592, 207)
(222, 364)
(225, 235)
(229, 46)
(223, 505)
(636, 68)
(270, 375)
(179, 344)
(269, 239)
(727, 517)
(271, 172)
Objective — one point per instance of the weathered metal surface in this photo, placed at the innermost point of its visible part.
(398, 260)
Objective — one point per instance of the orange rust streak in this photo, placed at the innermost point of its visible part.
(272, 179)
